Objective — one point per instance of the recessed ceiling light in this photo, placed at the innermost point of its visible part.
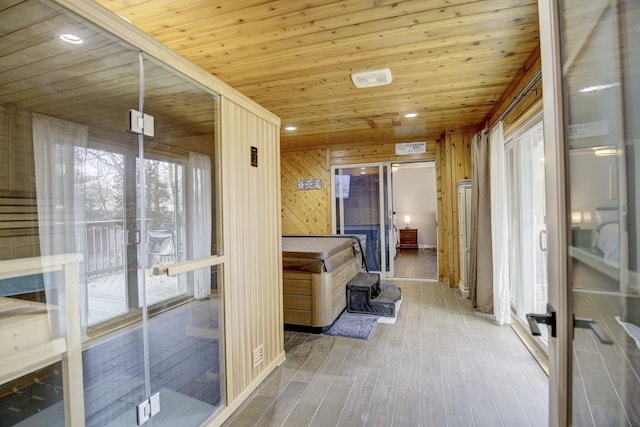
(411, 115)
(70, 38)
(290, 128)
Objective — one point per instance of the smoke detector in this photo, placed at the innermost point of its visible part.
(372, 78)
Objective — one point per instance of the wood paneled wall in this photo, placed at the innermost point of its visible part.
(253, 245)
(375, 152)
(453, 163)
(306, 211)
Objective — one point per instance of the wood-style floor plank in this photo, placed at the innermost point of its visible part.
(439, 365)
(416, 263)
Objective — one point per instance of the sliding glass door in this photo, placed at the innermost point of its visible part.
(363, 207)
(594, 98)
(526, 199)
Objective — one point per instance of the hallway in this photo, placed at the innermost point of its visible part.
(439, 365)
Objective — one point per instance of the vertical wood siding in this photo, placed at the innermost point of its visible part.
(253, 278)
(453, 163)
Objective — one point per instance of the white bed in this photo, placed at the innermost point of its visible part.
(606, 236)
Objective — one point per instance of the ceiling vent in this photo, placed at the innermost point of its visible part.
(372, 78)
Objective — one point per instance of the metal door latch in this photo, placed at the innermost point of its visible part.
(548, 319)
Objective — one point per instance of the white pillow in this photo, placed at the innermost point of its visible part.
(607, 216)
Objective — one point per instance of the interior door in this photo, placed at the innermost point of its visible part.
(179, 269)
(592, 92)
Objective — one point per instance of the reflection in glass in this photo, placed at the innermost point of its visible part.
(69, 169)
(601, 64)
(358, 208)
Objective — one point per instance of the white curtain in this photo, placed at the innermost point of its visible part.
(200, 220)
(59, 152)
(499, 227)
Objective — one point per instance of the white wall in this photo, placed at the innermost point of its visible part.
(414, 193)
(595, 183)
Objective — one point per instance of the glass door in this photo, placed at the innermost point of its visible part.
(601, 64)
(179, 270)
(360, 208)
(594, 369)
(526, 201)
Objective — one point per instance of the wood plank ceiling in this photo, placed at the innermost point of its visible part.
(450, 59)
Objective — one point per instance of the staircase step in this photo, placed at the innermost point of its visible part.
(388, 294)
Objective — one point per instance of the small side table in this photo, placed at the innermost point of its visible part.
(408, 238)
(581, 238)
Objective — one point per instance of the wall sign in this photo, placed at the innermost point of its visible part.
(406, 148)
(254, 156)
(589, 129)
(310, 184)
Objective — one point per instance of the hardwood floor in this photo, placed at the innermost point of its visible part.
(439, 365)
(416, 263)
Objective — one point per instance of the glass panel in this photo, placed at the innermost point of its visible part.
(526, 199)
(389, 250)
(185, 320)
(70, 185)
(65, 148)
(514, 221)
(106, 237)
(358, 208)
(186, 355)
(601, 64)
(533, 281)
(165, 225)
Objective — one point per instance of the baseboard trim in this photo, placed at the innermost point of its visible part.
(538, 354)
(219, 418)
(425, 246)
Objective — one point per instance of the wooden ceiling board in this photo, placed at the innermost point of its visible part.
(372, 34)
(363, 47)
(451, 61)
(347, 19)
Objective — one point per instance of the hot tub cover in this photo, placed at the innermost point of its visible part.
(316, 254)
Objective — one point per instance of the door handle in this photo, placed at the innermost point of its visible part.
(548, 319)
(542, 237)
(595, 328)
(136, 240)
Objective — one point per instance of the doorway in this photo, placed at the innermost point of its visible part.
(414, 204)
(393, 208)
